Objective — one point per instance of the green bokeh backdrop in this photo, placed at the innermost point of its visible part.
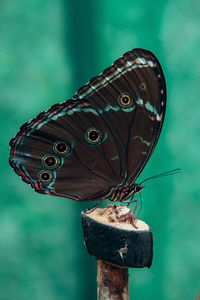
(48, 50)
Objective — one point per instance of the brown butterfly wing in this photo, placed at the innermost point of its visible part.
(109, 129)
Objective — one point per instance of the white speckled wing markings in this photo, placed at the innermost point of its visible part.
(136, 128)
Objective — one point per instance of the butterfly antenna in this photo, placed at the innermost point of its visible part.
(172, 172)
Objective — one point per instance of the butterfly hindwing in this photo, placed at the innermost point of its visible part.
(79, 166)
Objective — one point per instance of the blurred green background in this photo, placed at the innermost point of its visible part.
(48, 50)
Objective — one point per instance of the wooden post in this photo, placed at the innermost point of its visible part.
(112, 282)
(118, 242)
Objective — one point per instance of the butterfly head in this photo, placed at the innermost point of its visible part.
(130, 191)
(137, 188)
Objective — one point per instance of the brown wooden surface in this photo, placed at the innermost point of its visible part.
(112, 282)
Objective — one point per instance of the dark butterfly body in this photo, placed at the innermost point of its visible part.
(96, 144)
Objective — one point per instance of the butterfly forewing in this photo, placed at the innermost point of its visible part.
(136, 128)
(102, 138)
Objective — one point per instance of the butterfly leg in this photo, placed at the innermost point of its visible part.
(136, 206)
(140, 206)
(90, 210)
(132, 201)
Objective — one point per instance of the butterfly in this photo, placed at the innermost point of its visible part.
(95, 145)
